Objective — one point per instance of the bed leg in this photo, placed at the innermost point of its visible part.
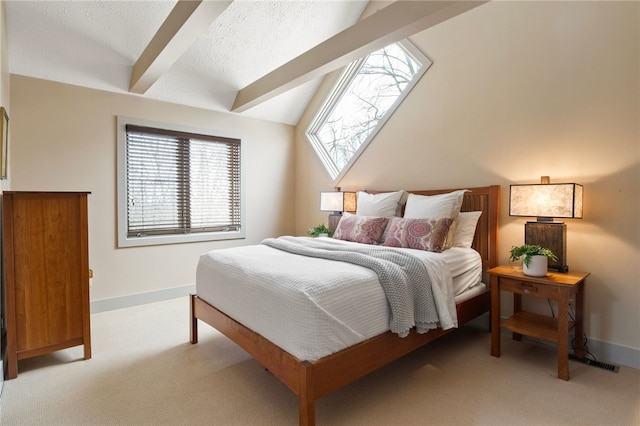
(193, 326)
(306, 411)
(306, 402)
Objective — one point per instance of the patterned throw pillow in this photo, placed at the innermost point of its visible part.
(361, 229)
(420, 234)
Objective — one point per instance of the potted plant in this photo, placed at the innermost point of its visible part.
(320, 231)
(535, 259)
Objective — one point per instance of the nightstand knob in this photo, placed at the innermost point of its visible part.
(528, 287)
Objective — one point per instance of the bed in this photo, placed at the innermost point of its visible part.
(314, 371)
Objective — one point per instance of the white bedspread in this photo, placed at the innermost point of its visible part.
(465, 265)
(404, 277)
(254, 285)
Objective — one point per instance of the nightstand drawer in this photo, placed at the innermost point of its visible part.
(526, 287)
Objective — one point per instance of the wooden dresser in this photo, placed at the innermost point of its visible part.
(46, 263)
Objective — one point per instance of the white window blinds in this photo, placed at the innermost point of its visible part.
(180, 183)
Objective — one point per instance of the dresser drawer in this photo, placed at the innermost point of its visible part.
(524, 287)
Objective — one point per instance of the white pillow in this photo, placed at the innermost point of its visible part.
(465, 229)
(385, 204)
(434, 206)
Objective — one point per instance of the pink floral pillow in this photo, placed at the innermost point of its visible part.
(420, 234)
(361, 229)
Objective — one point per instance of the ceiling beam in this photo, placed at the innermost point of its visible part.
(188, 20)
(395, 22)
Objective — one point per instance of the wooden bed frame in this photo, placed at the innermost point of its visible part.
(312, 380)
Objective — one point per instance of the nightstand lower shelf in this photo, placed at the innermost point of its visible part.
(534, 325)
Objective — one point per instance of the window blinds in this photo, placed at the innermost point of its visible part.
(181, 182)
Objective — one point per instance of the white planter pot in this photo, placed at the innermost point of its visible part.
(537, 267)
(323, 235)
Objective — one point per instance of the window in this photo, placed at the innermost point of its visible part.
(177, 185)
(364, 97)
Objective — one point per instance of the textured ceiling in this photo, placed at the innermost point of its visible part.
(95, 44)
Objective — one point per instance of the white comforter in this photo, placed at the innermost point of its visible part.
(307, 306)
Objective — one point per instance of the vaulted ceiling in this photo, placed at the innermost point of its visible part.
(259, 58)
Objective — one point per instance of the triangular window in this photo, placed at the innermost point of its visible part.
(367, 93)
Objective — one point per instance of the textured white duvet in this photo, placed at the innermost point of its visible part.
(314, 307)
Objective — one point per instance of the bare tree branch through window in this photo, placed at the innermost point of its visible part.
(367, 93)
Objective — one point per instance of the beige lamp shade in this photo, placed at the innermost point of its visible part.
(561, 200)
(338, 201)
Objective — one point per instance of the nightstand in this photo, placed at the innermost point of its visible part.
(558, 286)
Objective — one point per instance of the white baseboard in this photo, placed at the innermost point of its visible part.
(604, 351)
(616, 354)
(128, 301)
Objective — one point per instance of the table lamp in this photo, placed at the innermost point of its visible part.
(337, 202)
(547, 201)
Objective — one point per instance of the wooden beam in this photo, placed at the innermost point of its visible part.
(395, 22)
(187, 21)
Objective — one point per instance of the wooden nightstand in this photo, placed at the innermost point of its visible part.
(555, 286)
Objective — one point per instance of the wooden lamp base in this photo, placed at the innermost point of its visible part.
(334, 218)
(551, 235)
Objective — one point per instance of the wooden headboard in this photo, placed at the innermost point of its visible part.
(487, 200)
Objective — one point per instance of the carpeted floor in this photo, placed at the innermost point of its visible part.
(145, 372)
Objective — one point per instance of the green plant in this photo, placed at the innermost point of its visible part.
(320, 229)
(528, 250)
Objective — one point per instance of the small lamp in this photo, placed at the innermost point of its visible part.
(337, 202)
(547, 201)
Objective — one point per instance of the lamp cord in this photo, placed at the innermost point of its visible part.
(573, 341)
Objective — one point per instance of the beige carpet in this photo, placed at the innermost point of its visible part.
(144, 371)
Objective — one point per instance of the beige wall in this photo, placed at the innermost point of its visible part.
(516, 91)
(63, 138)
